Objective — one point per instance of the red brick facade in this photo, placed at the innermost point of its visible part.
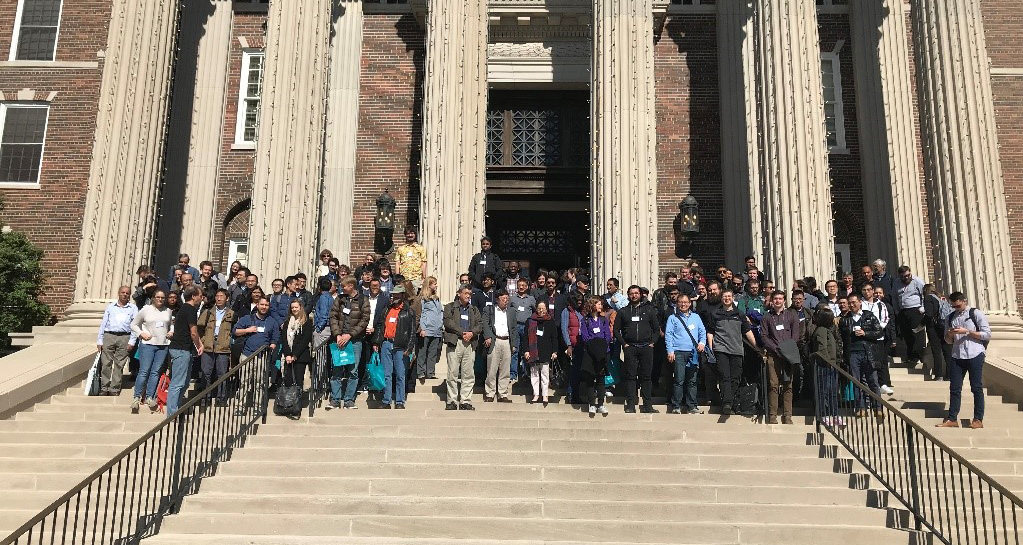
(389, 133)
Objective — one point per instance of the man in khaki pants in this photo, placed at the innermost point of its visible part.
(116, 341)
(500, 339)
(462, 327)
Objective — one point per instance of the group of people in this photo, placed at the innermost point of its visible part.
(503, 325)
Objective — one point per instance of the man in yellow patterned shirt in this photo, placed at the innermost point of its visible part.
(410, 259)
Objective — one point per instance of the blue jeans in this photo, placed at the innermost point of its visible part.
(575, 374)
(351, 372)
(863, 370)
(151, 358)
(827, 395)
(515, 352)
(395, 364)
(181, 368)
(973, 366)
(684, 391)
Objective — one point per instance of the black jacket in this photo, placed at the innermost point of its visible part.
(301, 348)
(637, 324)
(869, 342)
(483, 263)
(404, 331)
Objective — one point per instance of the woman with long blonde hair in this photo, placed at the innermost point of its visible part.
(431, 330)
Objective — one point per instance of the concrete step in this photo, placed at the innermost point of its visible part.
(38, 450)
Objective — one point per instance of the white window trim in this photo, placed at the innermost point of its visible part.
(16, 34)
(239, 125)
(844, 251)
(42, 155)
(232, 252)
(840, 146)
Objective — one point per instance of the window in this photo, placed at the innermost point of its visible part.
(35, 30)
(536, 137)
(248, 97)
(843, 263)
(22, 134)
(834, 116)
(238, 250)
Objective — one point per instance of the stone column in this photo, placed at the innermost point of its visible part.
(289, 154)
(127, 155)
(964, 171)
(453, 188)
(740, 169)
(794, 181)
(623, 120)
(892, 198)
(342, 125)
(188, 207)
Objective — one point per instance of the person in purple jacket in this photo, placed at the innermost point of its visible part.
(595, 339)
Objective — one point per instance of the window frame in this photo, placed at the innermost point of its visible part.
(4, 107)
(16, 33)
(232, 249)
(239, 127)
(841, 144)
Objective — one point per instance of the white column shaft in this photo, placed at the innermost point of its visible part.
(740, 167)
(453, 188)
(968, 210)
(623, 121)
(342, 131)
(795, 184)
(127, 154)
(892, 198)
(289, 153)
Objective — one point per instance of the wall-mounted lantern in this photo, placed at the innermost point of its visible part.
(687, 226)
(384, 223)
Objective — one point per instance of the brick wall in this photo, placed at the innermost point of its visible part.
(51, 216)
(390, 123)
(688, 136)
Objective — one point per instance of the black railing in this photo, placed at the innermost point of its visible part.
(945, 493)
(319, 375)
(125, 500)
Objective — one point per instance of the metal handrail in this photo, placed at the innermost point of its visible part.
(166, 463)
(319, 387)
(935, 482)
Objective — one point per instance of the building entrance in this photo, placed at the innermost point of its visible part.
(538, 178)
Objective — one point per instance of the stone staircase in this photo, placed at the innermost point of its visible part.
(997, 449)
(524, 473)
(50, 448)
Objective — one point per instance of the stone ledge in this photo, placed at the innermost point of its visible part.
(39, 370)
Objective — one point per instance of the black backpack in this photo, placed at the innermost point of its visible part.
(747, 399)
(973, 318)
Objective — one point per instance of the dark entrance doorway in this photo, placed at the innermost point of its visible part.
(538, 178)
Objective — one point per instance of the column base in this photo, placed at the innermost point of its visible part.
(1006, 335)
(84, 314)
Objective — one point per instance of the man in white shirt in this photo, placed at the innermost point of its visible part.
(499, 323)
(115, 341)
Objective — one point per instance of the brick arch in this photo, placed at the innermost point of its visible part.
(234, 223)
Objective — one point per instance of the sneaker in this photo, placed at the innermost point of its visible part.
(608, 394)
(630, 409)
(695, 410)
(772, 420)
(350, 405)
(399, 406)
(593, 410)
(887, 390)
(135, 402)
(466, 407)
(488, 399)
(647, 409)
(332, 405)
(152, 404)
(726, 410)
(674, 410)
(504, 400)
(602, 410)
(451, 406)
(786, 420)
(948, 424)
(976, 425)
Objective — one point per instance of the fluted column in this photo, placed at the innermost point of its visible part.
(795, 185)
(623, 119)
(453, 188)
(342, 124)
(289, 153)
(892, 198)
(188, 210)
(740, 167)
(968, 211)
(127, 155)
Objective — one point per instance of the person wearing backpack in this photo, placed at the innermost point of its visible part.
(936, 311)
(969, 332)
(823, 347)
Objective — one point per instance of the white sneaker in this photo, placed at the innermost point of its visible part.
(608, 394)
(887, 390)
(593, 410)
(602, 410)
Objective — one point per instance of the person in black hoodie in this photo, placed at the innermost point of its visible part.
(541, 350)
(637, 328)
(486, 261)
(296, 337)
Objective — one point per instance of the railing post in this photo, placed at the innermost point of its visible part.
(179, 448)
(914, 477)
(816, 394)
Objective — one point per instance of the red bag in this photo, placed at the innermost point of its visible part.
(161, 392)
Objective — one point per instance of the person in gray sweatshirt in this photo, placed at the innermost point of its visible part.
(431, 331)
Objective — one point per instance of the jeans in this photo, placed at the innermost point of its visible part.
(395, 364)
(521, 331)
(151, 358)
(218, 363)
(861, 368)
(973, 366)
(827, 381)
(181, 365)
(684, 391)
(638, 362)
(429, 355)
(351, 372)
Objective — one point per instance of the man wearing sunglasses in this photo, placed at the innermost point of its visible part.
(908, 301)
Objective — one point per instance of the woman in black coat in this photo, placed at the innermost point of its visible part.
(296, 345)
(541, 348)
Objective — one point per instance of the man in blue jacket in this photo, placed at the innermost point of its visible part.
(685, 337)
(257, 330)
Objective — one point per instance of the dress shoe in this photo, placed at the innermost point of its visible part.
(977, 425)
(451, 406)
(772, 420)
(488, 399)
(630, 409)
(647, 409)
(466, 407)
(504, 400)
(726, 410)
(948, 424)
(786, 420)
